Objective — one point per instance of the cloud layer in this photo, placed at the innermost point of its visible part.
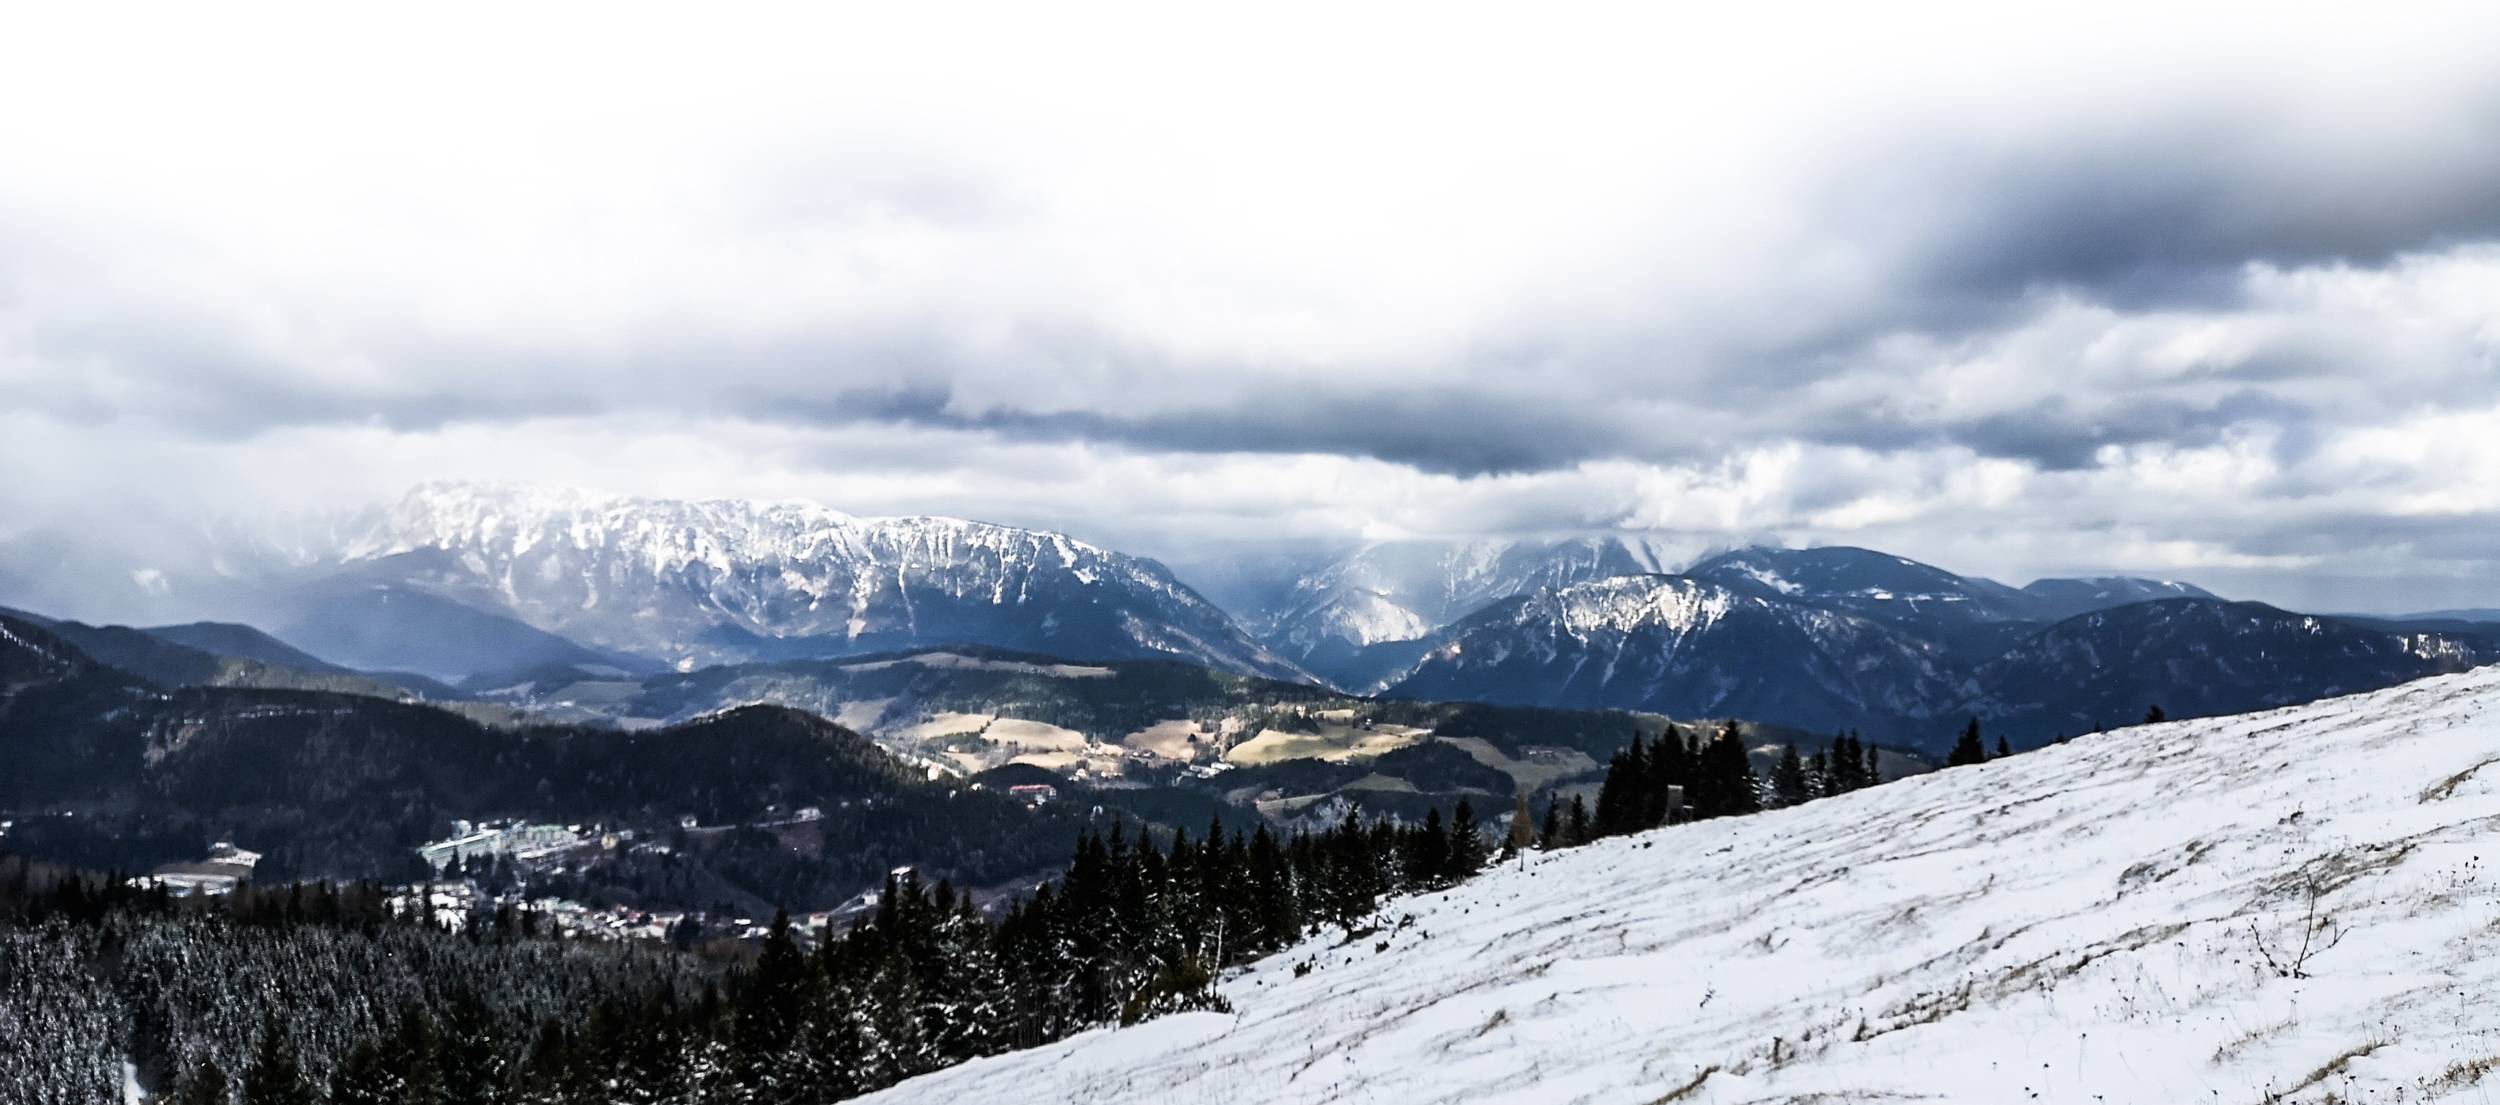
(2215, 294)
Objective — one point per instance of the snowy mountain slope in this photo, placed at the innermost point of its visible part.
(1971, 616)
(1865, 582)
(2115, 920)
(701, 582)
(1402, 590)
(2059, 599)
(2198, 657)
(1684, 647)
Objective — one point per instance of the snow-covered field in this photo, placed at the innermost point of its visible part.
(2119, 919)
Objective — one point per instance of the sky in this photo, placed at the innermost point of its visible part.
(2206, 292)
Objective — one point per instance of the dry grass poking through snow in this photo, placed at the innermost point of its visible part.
(2115, 920)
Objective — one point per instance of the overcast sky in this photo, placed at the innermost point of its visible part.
(2019, 290)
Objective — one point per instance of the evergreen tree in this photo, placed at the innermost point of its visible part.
(1847, 769)
(1428, 851)
(1726, 763)
(1549, 836)
(274, 1076)
(1522, 834)
(2155, 716)
(364, 1077)
(1671, 775)
(1623, 798)
(1279, 916)
(1968, 750)
(893, 1004)
(1466, 843)
(774, 999)
(2003, 749)
(1578, 827)
(415, 1063)
(205, 1085)
(1872, 773)
(475, 1068)
(1789, 783)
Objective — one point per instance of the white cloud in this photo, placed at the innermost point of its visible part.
(2017, 290)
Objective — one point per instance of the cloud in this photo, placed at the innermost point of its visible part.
(2155, 289)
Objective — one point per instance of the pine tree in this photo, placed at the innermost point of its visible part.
(1279, 916)
(274, 1076)
(1872, 773)
(1737, 790)
(1671, 777)
(1788, 780)
(1549, 836)
(893, 1001)
(475, 1069)
(364, 1078)
(774, 1000)
(1968, 750)
(1428, 851)
(2003, 749)
(1578, 827)
(415, 1062)
(1466, 843)
(2155, 716)
(205, 1085)
(1623, 798)
(1849, 762)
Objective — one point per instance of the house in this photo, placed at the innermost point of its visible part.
(225, 868)
(1033, 794)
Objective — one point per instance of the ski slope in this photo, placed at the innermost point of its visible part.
(2088, 923)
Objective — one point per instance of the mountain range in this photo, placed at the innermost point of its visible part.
(112, 770)
(487, 587)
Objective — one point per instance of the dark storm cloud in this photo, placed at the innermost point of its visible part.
(2060, 433)
(2163, 216)
(2154, 216)
(1440, 430)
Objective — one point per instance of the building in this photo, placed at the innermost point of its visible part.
(225, 868)
(519, 840)
(1033, 794)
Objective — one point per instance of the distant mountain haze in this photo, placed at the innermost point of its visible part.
(497, 585)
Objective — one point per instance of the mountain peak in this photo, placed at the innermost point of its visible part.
(702, 581)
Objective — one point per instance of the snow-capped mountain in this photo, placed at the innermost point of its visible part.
(2292, 906)
(700, 582)
(1971, 615)
(2059, 599)
(2195, 657)
(1887, 588)
(1690, 647)
(1685, 647)
(1346, 618)
(1403, 590)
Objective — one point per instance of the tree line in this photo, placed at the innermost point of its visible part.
(356, 996)
(1687, 777)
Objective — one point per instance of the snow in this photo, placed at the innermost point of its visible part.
(960, 662)
(2092, 922)
(1402, 590)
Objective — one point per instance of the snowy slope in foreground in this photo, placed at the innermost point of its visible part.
(2079, 924)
